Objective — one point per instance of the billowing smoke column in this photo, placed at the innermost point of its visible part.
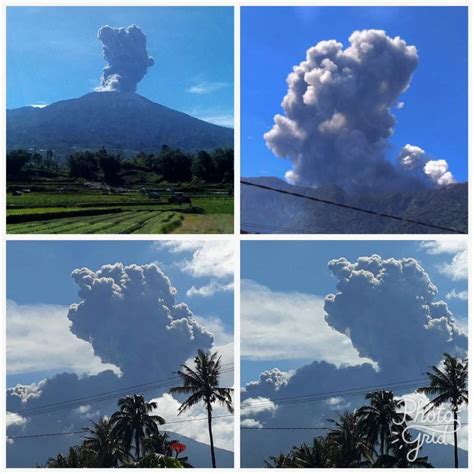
(337, 113)
(388, 306)
(130, 316)
(414, 160)
(125, 51)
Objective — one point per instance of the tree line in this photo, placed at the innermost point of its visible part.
(376, 435)
(171, 164)
(131, 436)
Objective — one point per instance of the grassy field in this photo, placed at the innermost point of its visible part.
(79, 211)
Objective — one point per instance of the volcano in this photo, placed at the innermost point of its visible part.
(118, 121)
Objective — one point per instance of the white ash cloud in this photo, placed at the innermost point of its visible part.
(338, 116)
(127, 58)
(414, 160)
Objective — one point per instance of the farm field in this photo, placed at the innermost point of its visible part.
(130, 212)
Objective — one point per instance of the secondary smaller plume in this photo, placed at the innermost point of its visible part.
(125, 51)
(414, 160)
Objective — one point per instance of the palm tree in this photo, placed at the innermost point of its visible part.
(348, 439)
(134, 423)
(105, 443)
(448, 385)
(280, 461)
(318, 455)
(378, 418)
(399, 452)
(202, 383)
(77, 457)
(158, 443)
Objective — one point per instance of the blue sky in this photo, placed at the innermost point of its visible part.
(39, 273)
(53, 54)
(435, 113)
(285, 267)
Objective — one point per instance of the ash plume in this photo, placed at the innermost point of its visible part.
(127, 58)
(338, 114)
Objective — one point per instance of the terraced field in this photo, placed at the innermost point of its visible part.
(131, 213)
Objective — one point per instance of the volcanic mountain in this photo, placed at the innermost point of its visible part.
(268, 212)
(118, 121)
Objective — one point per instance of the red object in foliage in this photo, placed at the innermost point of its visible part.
(178, 447)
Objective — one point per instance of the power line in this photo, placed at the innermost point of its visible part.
(66, 433)
(72, 403)
(281, 428)
(353, 208)
(343, 392)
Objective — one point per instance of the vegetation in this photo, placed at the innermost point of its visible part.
(131, 437)
(170, 191)
(202, 383)
(376, 435)
(448, 385)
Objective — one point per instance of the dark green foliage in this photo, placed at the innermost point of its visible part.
(16, 160)
(83, 165)
(133, 423)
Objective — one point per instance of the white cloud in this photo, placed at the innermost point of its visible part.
(457, 295)
(39, 106)
(437, 247)
(224, 120)
(277, 325)
(250, 423)
(222, 428)
(337, 403)
(13, 419)
(457, 268)
(209, 290)
(257, 405)
(210, 258)
(205, 87)
(39, 339)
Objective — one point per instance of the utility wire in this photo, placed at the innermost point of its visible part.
(278, 428)
(343, 392)
(65, 433)
(353, 208)
(170, 381)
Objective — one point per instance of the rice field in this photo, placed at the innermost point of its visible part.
(93, 213)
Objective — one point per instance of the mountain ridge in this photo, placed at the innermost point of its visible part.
(265, 211)
(119, 121)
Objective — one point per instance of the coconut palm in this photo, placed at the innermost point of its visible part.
(133, 422)
(202, 382)
(378, 418)
(398, 455)
(158, 443)
(77, 457)
(348, 440)
(448, 385)
(105, 443)
(318, 455)
(280, 461)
